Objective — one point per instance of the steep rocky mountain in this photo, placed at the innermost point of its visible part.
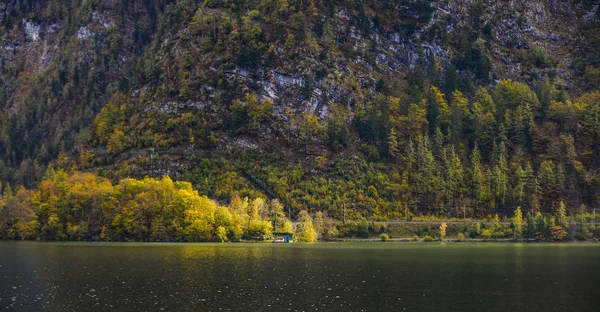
(316, 103)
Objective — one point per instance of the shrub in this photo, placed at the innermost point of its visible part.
(486, 234)
(379, 227)
(558, 233)
(461, 237)
(473, 233)
(320, 162)
(254, 14)
(363, 228)
(443, 230)
(416, 238)
(583, 234)
(428, 238)
(384, 237)
(332, 232)
(498, 234)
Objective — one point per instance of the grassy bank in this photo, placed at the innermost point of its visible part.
(540, 230)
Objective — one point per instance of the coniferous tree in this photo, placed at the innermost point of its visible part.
(477, 177)
(517, 221)
(533, 188)
(460, 118)
(393, 149)
(561, 215)
(547, 180)
(520, 185)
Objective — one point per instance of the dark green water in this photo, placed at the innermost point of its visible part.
(294, 277)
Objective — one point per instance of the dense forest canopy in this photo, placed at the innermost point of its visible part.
(370, 109)
(84, 206)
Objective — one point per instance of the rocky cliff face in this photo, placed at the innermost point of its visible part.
(544, 33)
(60, 63)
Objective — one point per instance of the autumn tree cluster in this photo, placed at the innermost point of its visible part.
(83, 206)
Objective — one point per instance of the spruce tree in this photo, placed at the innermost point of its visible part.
(517, 221)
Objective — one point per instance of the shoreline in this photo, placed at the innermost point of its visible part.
(337, 240)
(449, 240)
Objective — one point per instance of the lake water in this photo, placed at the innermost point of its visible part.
(295, 277)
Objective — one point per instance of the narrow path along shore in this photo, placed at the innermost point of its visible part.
(446, 240)
(295, 223)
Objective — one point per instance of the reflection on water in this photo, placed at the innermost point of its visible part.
(320, 277)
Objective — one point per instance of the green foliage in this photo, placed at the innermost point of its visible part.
(222, 234)
(517, 221)
(337, 128)
(82, 206)
(561, 215)
(117, 142)
(486, 234)
(194, 79)
(258, 113)
(530, 231)
(541, 226)
(591, 78)
(306, 232)
(384, 237)
(319, 223)
(110, 119)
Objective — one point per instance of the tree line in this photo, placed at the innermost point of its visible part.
(84, 206)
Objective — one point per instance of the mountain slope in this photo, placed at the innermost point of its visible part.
(317, 103)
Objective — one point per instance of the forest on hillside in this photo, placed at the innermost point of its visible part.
(366, 110)
(501, 149)
(85, 207)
